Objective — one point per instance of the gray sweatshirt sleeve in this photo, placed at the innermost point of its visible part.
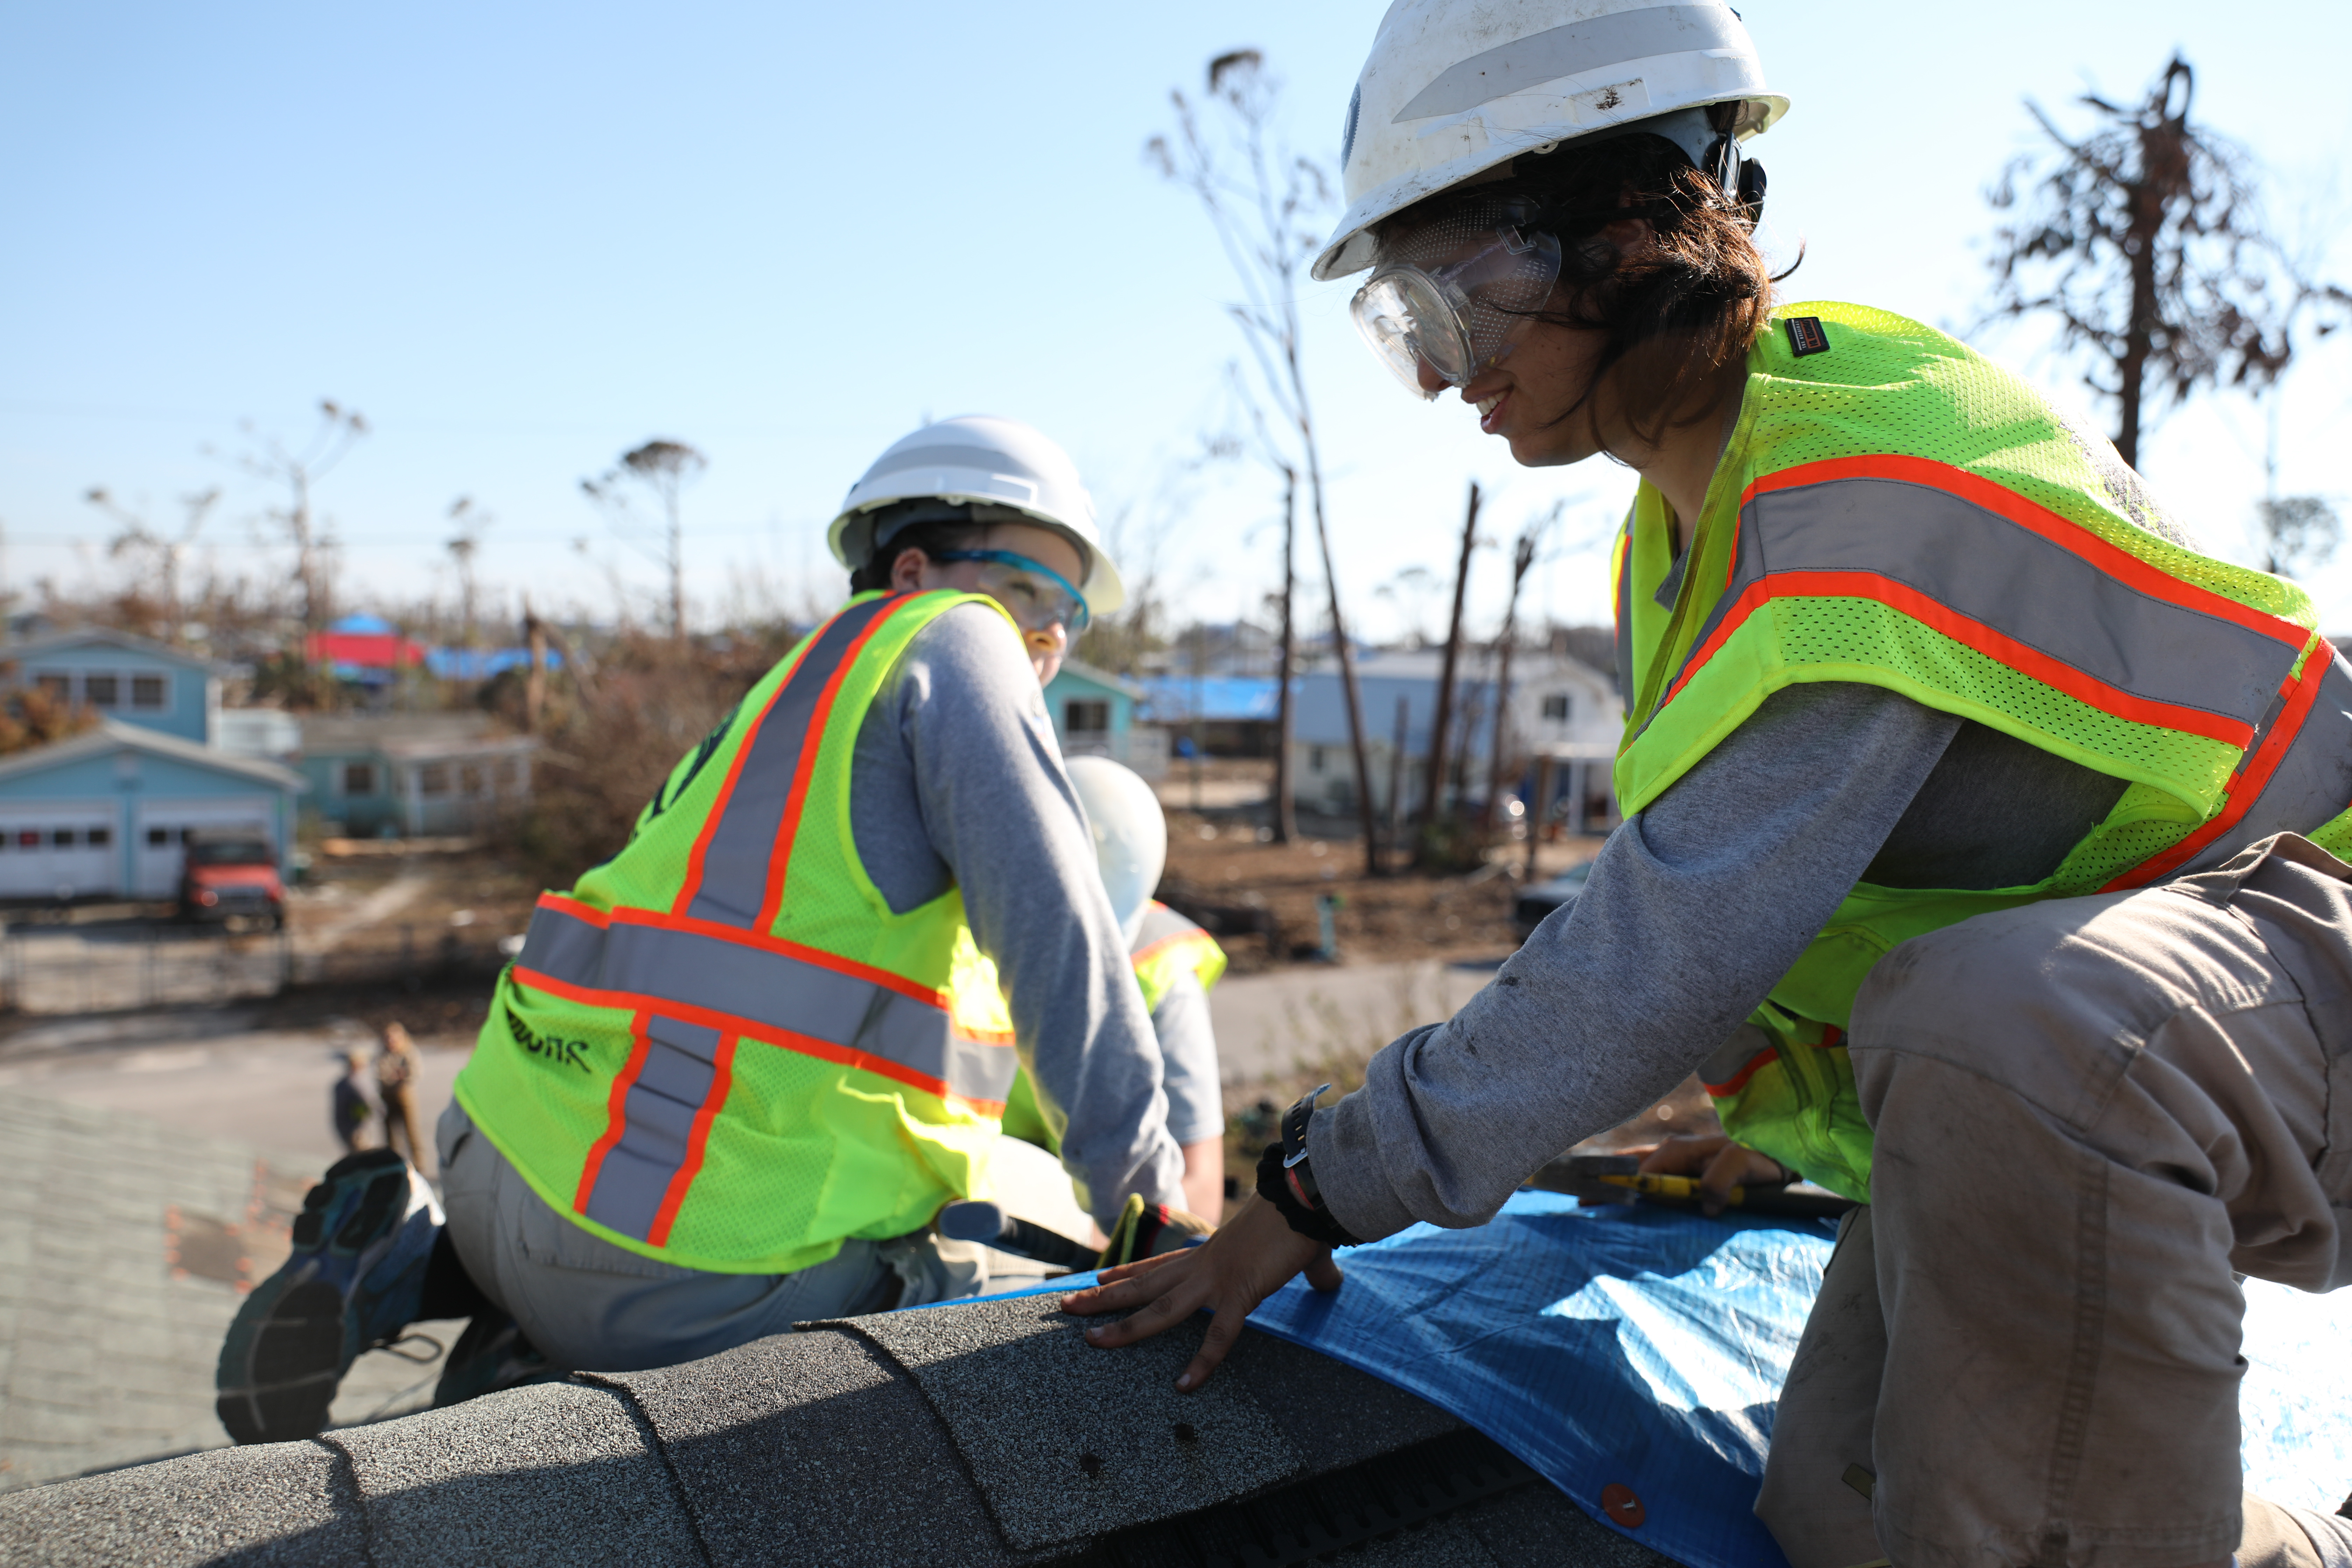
(997, 807)
(1694, 911)
(1188, 1050)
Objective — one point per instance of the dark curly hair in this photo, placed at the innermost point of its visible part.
(930, 538)
(1670, 320)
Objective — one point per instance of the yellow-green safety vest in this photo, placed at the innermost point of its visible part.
(1894, 510)
(1166, 947)
(722, 1048)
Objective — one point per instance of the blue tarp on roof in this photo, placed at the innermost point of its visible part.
(1211, 698)
(481, 664)
(1646, 1347)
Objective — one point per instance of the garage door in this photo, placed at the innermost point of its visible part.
(163, 827)
(66, 851)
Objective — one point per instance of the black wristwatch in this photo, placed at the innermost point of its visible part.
(1285, 1178)
(1297, 1173)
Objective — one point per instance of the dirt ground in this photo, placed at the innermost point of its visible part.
(1223, 856)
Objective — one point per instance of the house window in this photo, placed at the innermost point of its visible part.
(1555, 707)
(102, 690)
(159, 838)
(148, 691)
(507, 773)
(359, 778)
(432, 778)
(99, 837)
(55, 683)
(62, 838)
(1084, 716)
(1314, 759)
(469, 779)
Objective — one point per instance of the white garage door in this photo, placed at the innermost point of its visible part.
(63, 851)
(163, 827)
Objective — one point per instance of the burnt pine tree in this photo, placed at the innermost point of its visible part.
(2144, 242)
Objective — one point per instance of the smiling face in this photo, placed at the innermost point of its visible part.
(1531, 398)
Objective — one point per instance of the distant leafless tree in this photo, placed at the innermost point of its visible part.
(665, 469)
(1265, 205)
(299, 470)
(153, 554)
(2144, 241)
(2296, 534)
(468, 522)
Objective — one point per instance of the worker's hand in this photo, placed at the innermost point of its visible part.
(1250, 1258)
(1718, 1162)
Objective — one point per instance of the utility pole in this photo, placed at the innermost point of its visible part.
(1523, 556)
(1432, 807)
(1286, 787)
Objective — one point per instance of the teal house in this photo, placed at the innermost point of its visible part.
(1094, 716)
(118, 676)
(414, 774)
(106, 813)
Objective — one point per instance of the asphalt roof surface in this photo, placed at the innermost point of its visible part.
(984, 1433)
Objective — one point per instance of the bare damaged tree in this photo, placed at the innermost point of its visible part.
(666, 469)
(1262, 203)
(154, 553)
(299, 470)
(2145, 243)
(469, 523)
(1523, 559)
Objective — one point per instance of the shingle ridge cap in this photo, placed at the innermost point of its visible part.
(660, 1448)
(854, 1327)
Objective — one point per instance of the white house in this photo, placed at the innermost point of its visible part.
(1560, 708)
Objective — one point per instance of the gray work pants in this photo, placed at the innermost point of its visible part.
(590, 1306)
(2088, 1113)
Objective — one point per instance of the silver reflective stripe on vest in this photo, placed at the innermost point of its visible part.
(735, 863)
(657, 1121)
(2005, 576)
(2313, 782)
(775, 995)
(1159, 922)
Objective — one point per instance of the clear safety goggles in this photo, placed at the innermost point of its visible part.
(1457, 292)
(1036, 596)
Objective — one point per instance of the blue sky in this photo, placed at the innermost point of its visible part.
(522, 239)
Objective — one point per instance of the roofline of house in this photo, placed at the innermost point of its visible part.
(15, 652)
(112, 735)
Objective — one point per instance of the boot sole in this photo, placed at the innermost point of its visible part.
(300, 1338)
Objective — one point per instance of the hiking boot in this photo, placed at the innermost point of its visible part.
(353, 1281)
(490, 1356)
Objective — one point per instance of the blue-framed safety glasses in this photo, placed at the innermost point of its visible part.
(1037, 595)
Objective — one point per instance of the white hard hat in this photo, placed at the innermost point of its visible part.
(1454, 89)
(987, 462)
(1129, 832)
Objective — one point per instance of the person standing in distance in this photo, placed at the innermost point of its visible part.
(1983, 838)
(738, 1068)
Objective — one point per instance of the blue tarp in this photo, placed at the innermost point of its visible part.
(1646, 1347)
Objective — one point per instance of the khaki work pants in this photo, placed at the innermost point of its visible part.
(2090, 1114)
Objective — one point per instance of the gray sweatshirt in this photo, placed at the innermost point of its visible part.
(1694, 909)
(958, 783)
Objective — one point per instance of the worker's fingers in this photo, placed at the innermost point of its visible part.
(1127, 1284)
(1156, 1316)
(1224, 1329)
(1323, 1274)
(1684, 1155)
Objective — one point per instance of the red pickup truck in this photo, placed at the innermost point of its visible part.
(230, 876)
